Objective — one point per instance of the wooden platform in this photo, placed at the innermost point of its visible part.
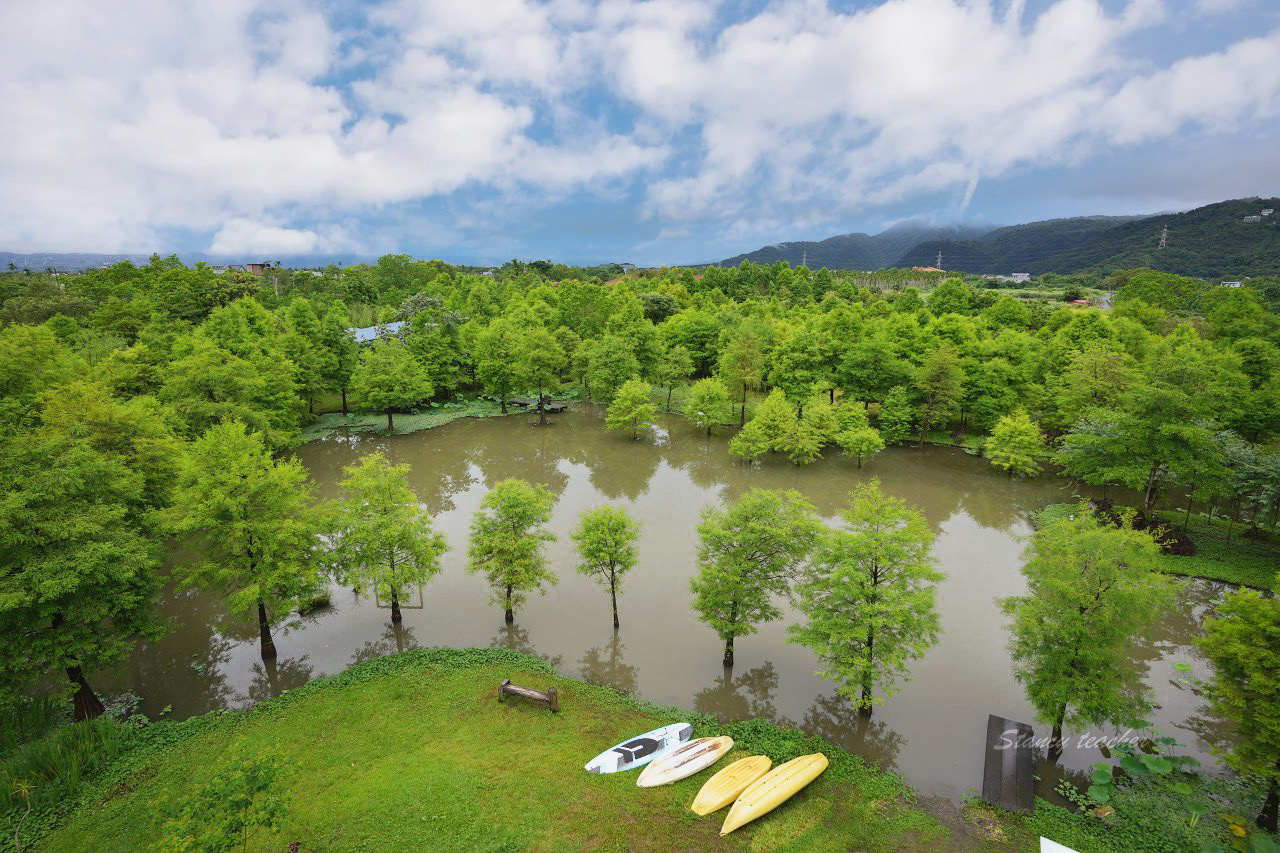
(1007, 779)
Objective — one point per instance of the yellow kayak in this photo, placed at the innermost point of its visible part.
(724, 787)
(773, 789)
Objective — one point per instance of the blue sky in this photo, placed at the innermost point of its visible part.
(662, 131)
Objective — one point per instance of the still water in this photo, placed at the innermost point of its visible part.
(932, 731)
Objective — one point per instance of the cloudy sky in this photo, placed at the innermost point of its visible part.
(662, 131)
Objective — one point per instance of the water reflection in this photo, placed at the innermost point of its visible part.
(272, 676)
(749, 695)
(395, 638)
(604, 665)
(512, 636)
(835, 718)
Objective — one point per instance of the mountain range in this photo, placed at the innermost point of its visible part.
(1214, 241)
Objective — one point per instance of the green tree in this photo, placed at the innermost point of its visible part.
(939, 382)
(80, 578)
(606, 539)
(388, 377)
(799, 368)
(506, 541)
(675, 367)
(610, 363)
(495, 354)
(869, 370)
(742, 365)
(1242, 642)
(769, 426)
(896, 415)
(631, 408)
(709, 403)
(1016, 444)
(383, 536)
(868, 596)
(301, 344)
(254, 521)
(748, 554)
(340, 350)
(1091, 588)
(539, 361)
(860, 442)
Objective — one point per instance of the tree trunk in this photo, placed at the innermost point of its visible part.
(742, 418)
(273, 676)
(800, 412)
(613, 595)
(542, 410)
(344, 402)
(832, 392)
(922, 431)
(391, 426)
(1055, 742)
(264, 630)
(311, 406)
(395, 605)
(1267, 817)
(670, 388)
(708, 430)
(86, 704)
(728, 652)
(1186, 520)
(510, 615)
(864, 706)
(502, 401)
(1150, 497)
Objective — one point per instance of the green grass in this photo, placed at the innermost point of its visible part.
(1249, 561)
(413, 752)
(430, 416)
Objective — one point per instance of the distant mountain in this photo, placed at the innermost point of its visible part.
(1016, 248)
(858, 251)
(63, 261)
(1227, 239)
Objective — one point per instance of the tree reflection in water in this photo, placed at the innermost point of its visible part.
(514, 637)
(271, 677)
(835, 718)
(605, 666)
(395, 638)
(742, 698)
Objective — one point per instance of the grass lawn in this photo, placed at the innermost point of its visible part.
(429, 416)
(413, 752)
(1239, 560)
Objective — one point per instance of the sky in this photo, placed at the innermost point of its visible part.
(656, 132)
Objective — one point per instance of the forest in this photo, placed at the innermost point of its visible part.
(146, 402)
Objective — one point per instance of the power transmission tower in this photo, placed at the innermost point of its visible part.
(804, 259)
(1164, 237)
(938, 263)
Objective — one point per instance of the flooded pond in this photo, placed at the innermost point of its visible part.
(932, 731)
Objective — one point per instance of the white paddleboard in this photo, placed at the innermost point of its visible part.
(640, 750)
(684, 761)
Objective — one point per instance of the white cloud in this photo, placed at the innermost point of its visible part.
(240, 120)
(247, 237)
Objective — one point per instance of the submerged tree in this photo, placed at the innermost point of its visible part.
(606, 539)
(940, 382)
(868, 596)
(1243, 644)
(506, 541)
(748, 555)
(255, 523)
(1091, 588)
(708, 404)
(631, 408)
(383, 536)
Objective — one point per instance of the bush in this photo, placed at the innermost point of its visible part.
(53, 768)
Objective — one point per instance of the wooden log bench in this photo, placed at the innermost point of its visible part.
(550, 699)
(1007, 779)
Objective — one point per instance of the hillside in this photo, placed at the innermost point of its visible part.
(1015, 248)
(858, 251)
(1212, 241)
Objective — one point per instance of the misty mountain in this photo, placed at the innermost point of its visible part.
(1015, 248)
(76, 261)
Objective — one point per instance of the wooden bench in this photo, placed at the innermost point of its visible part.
(550, 699)
(1007, 779)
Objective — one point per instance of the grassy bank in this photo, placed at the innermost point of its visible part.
(413, 752)
(1235, 559)
(433, 415)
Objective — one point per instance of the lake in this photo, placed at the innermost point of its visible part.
(932, 730)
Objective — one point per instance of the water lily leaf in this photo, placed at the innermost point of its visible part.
(1182, 666)
(1099, 793)
(1182, 788)
(1101, 776)
(1158, 764)
(1134, 767)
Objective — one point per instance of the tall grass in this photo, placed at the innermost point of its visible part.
(24, 719)
(54, 767)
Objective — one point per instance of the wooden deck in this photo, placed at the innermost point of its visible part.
(1007, 779)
